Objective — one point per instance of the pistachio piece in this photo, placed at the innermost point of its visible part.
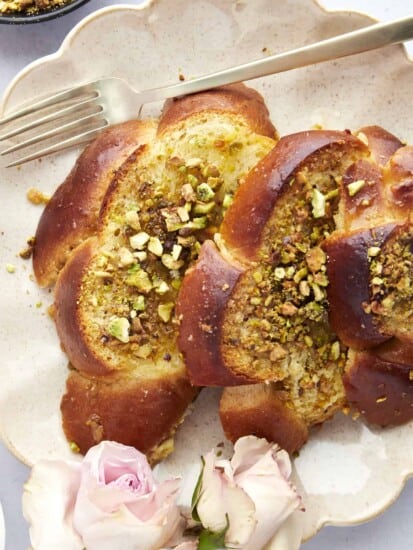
(204, 208)
(188, 193)
(139, 240)
(169, 262)
(165, 311)
(204, 192)
(126, 257)
(132, 219)
(155, 246)
(318, 202)
(119, 329)
(139, 303)
(140, 279)
(354, 187)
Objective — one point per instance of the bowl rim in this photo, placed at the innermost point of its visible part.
(17, 18)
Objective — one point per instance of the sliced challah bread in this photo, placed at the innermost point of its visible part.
(291, 283)
(115, 297)
(260, 312)
(72, 213)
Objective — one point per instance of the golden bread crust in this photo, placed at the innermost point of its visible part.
(237, 99)
(72, 213)
(379, 385)
(115, 297)
(374, 190)
(262, 411)
(97, 408)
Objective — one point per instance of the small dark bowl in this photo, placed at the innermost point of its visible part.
(19, 18)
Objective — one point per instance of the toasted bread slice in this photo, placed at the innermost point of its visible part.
(379, 383)
(115, 297)
(261, 312)
(71, 216)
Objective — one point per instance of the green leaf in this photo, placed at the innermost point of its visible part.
(212, 541)
(197, 494)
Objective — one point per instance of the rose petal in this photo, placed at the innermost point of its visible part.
(273, 495)
(289, 535)
(109, 460)
(247, 450)
(222, 502)
(48, 502)
(122, 531)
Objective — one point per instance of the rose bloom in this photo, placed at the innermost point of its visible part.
(109, 501)
(251, 496)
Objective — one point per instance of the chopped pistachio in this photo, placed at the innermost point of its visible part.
(377, 281)
(10, 268)
(300, 274)
(132, 219)
(176, 251)
(318, 293)
(255, 301)
(74, 447)
(289, 271)
(188, 193)
(204, 192)
(228, 200)
(373, 251)
(183, 213)
(279, 273)
(335, 351)
(126, 257)
(139, 240)
(204, 208)
(197, 223)
(193, 162)
(354, 187)
(155, 246)
(176, 284)
(304, 288)
(192, 180)
(169, 262)
(172, 220)
(140, 280)
(332, 194)
(119, 329)
(141, 255)
(165, 311)
(257, 276)
(139, 303)
(318, 202)
(308, 340)
(162, 287)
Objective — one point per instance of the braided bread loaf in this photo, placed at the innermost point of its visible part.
(289, 287)
(115, 296)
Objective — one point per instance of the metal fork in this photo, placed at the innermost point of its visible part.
(75, 116)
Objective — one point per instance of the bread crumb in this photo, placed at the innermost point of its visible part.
(35, 196)
(10, 268)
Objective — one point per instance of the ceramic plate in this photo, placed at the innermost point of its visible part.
(348, 472)
(2, 530)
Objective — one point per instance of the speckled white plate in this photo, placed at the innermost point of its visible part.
(2, 530)
(347, 472)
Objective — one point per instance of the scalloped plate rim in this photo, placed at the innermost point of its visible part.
(66, 44)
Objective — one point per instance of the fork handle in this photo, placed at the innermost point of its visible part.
(362, 40)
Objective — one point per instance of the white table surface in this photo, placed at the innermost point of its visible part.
(18, 47)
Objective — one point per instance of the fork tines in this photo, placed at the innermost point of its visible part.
(65, 119)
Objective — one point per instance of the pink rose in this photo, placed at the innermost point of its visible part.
(109, 501)
(248, 497)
